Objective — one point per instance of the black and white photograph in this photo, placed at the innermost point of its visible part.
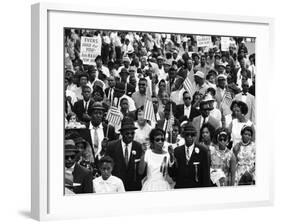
(147, 111)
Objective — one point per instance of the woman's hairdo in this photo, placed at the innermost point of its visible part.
(243, 107)
(154, 132)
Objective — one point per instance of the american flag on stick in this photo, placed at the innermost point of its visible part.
(227, 99)
(113, 116)
(188, 86)
(149, 111)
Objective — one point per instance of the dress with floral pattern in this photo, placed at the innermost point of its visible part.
(245, 161)
(220, 166)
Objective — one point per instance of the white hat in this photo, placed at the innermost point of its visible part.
(221, 76)
(200, 74)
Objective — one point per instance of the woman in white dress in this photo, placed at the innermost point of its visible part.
(156, 161)
(239, 122)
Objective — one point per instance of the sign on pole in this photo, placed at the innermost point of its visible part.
(225, 42)
(203, 41)
(90, 49)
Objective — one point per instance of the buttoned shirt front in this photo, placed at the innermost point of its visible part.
(100, 136)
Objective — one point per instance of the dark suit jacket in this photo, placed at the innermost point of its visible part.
(129, 175)
(130, 89)
(79, 109)
(86, 134)
(180, 113)
(186, 175)
(84, 177)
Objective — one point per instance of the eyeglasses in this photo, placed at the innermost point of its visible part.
(159, 139)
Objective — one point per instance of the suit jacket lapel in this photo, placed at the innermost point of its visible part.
(121, 155)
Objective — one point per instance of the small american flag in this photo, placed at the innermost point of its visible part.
(227, 99)
(149, 111)
(170, 124)
(113, 116)
(188, 86)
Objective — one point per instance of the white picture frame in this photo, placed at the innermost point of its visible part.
(47, 201)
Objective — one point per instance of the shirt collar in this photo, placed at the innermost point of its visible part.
(92, 127)
(190, 149)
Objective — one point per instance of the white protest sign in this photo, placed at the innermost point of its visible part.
(90, 49)
(225, 42)
(203, 41)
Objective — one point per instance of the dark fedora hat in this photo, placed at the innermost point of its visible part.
(96, 106)
(188, 128)
(127, 124)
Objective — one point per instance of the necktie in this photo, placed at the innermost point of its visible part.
(96, 141)
(187, 155)
(126, 155)
(204, 120)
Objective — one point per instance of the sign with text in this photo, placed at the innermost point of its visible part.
(225, 42)
(203, 41)
(90, 49)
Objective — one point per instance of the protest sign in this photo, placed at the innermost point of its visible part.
(90, 49)
(203, 41)
(225, 42)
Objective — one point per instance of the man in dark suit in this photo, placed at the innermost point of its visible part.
(129, 88)
(109, 91)
(186, 111)
(168, 113)
(81, 107)
(77, 178)
(97, 133)
(126, 154)
(191, 167)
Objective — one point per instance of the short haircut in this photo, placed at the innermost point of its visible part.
(154, 132)
(86, 87)
(143, 79)
(186, 92)
(106, 159)
(123, 99)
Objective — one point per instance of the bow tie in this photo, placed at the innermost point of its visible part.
(244, 94)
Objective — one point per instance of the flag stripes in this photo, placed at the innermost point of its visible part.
(113, 116)
(188, 86)
(149, 111)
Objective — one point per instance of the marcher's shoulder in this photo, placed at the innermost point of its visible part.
(113, 144)
(178, 149)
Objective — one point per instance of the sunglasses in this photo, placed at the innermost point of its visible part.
(159, 139)
(187, 98)
(223, 139)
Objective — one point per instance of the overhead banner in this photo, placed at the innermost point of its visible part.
(203, 41)
(90, 49)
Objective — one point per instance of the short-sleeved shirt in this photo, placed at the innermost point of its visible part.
(111, 185)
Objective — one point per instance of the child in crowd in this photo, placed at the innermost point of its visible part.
(107, 183)
(72, 121)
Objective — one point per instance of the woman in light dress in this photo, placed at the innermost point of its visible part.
(156, 161)
(245, 153)
(223, 162)
(239, 122)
